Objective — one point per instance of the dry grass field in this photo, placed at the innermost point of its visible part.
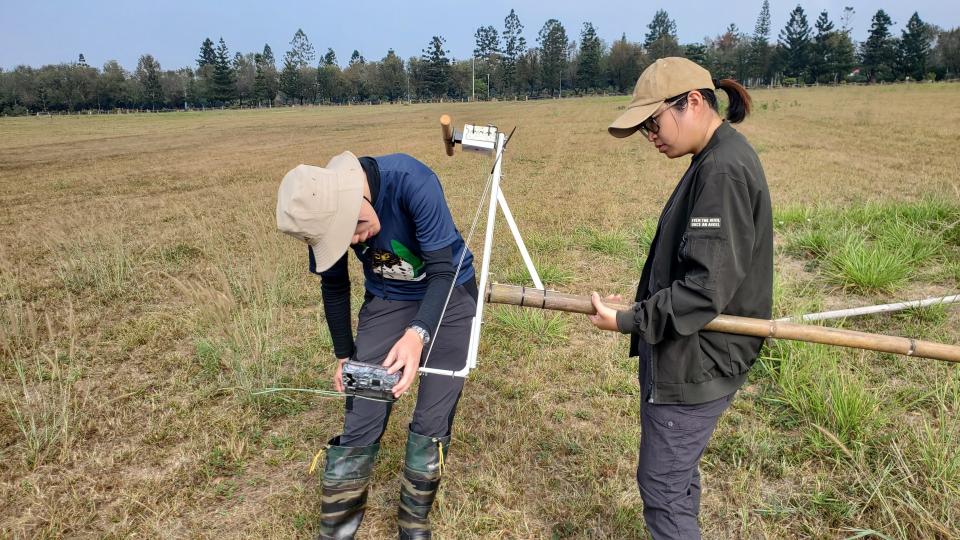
(145, 294)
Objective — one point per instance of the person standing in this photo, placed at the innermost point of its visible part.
(712, 254)
(419, 287)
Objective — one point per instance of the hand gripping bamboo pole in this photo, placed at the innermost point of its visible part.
(730, 324)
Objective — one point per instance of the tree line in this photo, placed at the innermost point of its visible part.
(502, 66)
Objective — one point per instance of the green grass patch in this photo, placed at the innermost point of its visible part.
(615, 242)
(875, 247)
(529, 325)
(546, 243)
(644, 235)
(937, 453)
(910, 241)
(827, 403)
(867, 267)
(792, 216)
(815, 242)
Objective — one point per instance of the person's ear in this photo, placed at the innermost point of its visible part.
(695, 101)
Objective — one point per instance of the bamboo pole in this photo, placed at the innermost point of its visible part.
(730, 324)
(871, 310)
(446, 130)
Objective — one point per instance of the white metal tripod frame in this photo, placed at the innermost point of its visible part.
(496, 198)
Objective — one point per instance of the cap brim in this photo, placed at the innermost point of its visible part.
(628, 122)
(328, 250)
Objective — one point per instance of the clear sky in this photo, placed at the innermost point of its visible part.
(52, 31)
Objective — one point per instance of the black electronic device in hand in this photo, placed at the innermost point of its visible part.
(369, 381)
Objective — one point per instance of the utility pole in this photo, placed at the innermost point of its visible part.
(473, 78)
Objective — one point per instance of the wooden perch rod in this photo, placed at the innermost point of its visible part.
(730, 324)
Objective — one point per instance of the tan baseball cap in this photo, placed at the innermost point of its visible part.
(320, 206)
(665, 78)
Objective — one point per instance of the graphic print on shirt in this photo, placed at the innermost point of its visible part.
(400, 264)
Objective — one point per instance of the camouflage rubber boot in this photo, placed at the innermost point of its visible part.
(344, 496)
(421, 477)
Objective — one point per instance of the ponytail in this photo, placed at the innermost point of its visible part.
(740, 102)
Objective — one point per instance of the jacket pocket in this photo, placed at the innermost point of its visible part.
(715, 355)
(743, 351)
(700, 255)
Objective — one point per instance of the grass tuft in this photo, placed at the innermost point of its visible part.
(104, 267)
(613, 242)
(867, 267)
(529, 325)
(43, 411)
(820, 398)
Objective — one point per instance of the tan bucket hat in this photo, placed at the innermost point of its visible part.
(320, 206)
(665, 78)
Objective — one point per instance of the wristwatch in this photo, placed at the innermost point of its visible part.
(424, 335)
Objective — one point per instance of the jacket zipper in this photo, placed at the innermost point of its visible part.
(653, 370)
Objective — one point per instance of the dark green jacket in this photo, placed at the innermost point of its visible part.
(712, 254)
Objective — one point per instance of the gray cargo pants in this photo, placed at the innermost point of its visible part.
(672, 441)
(381, 324)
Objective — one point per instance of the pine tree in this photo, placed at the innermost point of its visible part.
(205, 63)
(915, 48)
(260, 90)
(330, 58)
(588, 60)
(268, 64)
(296, 61)
(82, 61)
(878, 52)
(302, 49)
(267, 56)
(553, 53)
(356, 58)
(436, 68)
(487, 42)
(486, 54)
(660, 27)
(795, 44)
(224, 78)
(821, 59)
(846, 20)
(661, 39)
(696, 52)
(514, 47)
(208, 56)
(760, 45)
(291, 83)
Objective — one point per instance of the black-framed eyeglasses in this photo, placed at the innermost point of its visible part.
(651, 125)
(359, 221)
